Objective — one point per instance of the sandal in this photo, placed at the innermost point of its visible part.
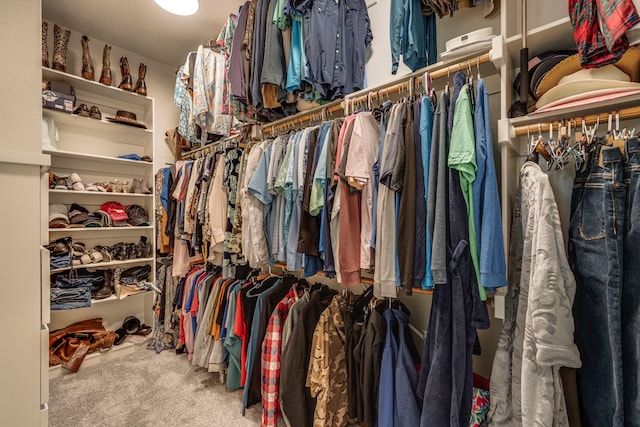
(91, 257)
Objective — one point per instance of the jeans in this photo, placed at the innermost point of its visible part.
(70, 298)
(631, 289)
(596, 256)
(59, 261)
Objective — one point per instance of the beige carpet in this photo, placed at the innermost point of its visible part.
(146, 389)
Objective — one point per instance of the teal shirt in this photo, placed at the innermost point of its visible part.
(462, 157)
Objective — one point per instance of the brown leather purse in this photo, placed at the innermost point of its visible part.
(69, 346)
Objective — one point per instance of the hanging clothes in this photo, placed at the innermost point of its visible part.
(537, 335)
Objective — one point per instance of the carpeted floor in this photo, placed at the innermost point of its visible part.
(146, 389)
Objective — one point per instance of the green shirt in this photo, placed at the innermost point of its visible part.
(462, 157)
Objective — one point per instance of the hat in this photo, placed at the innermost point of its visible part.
(586, 83)
(542, 64)
(58, 216)
(116, 212)
(629, 63)
(78, 214)
(98, 219)
(137, 215)
(126, 118)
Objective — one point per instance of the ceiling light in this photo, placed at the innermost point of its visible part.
(179, 7)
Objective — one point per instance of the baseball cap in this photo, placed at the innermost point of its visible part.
(137, 215)
(58, 216)
(116, 212)
(78, 214)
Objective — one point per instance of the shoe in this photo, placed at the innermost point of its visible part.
(141, 86)
(107, 289)
(91, 257)
(82, 110)
(127, 81)
(146, 189)
(45, 49)
(60, 46)
(105, 77)
(76, 182)
(87, 64)
(113, 186)
(95, 113)
(143, 248)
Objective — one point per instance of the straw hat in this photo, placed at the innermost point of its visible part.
(629, 63)
(588, 82)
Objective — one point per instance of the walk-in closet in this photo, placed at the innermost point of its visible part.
(391, 213)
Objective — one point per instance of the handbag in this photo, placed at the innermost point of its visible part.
(69, 346)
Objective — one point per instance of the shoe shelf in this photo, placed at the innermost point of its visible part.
(105, 264)
(95, 125)
(79, 83)
(100, 194)
(103, 229)
(74, 155)
(89, 147)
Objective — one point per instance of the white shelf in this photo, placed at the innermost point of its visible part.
(105, 264)
(577, 111)
(96, 357)
(556, 35)
(95, 87)
(95, 157)
(81, 229)
(95, 125)
(100, 194)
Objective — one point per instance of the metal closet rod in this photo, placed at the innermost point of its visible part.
(408, 82)
(622, 114)
(206, 149)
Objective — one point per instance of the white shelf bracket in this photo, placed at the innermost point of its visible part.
(497, 51)
(506, 135)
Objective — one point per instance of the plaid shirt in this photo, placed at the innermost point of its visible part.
(270, 366)
(599, 27)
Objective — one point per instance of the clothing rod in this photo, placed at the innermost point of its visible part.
(188, 154)
(386, 89)
(404, 82)
(319, 112)
(623, 114)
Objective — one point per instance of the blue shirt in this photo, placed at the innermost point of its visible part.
(336, 34)
(259, 188)
(486, 202)
(412, 35)
(426, 128)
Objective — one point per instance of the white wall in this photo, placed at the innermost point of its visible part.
(378, 66)
(160, 81)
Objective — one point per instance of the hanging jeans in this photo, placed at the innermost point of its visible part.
(596, 243)
(631, 289)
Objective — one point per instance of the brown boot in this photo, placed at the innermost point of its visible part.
(141, 86)
(87, 65)
(45, 49)
(105, 77)
(107, 288)
(60, 45)
(127, 81)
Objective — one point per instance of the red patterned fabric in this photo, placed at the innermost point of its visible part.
(270, 365)
(599, 27)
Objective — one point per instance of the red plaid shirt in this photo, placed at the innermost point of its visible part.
(270, 364)
(599, 27)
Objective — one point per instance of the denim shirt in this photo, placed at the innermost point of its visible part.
(412, 35)
(336, 34)
(486, 201)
